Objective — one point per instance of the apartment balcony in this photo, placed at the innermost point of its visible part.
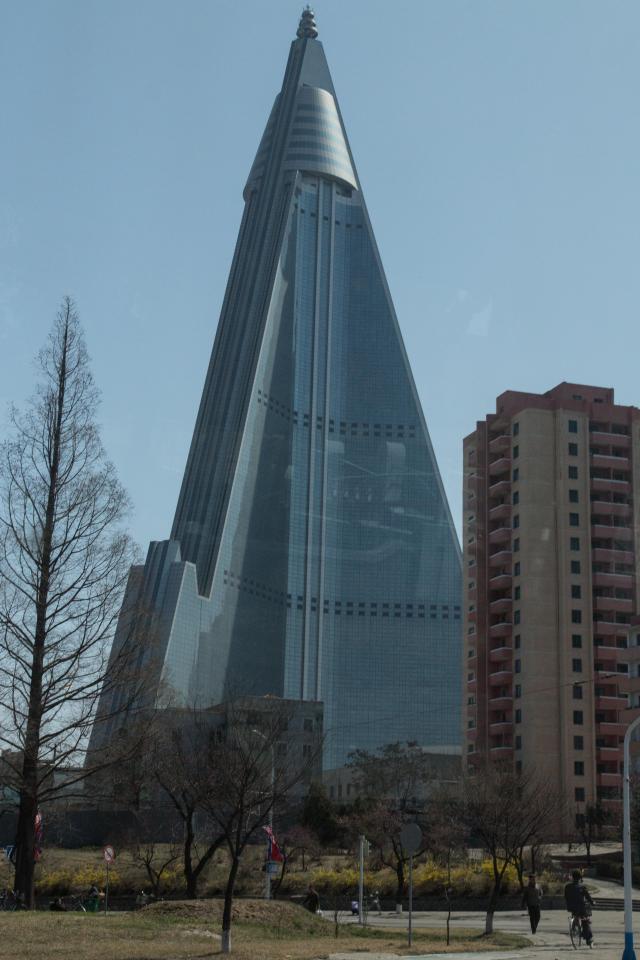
(611, 554)
(608, 628)
(472, 684)
(608, 779)
(610, 531)
(499, 467)
(609, 460)
(605, 437)
(610, 728)
(499, 677)
(500, 654)
(501, 443)
(607, 483)
(500, 535)
(613, 604)
(500, 488)
(500, 558)
(609, 754)
(500, 727)
(610, 509)
(500, 581)
(472, 616)
(472, 733)
(611, 702)
(501, 511)
(606, 652)
(612, 580)
(502, 629)
(505, 752)
(504, 703)
(501, 605)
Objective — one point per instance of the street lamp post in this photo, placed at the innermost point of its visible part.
(629, 952)
(267, 878)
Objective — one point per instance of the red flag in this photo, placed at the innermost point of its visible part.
(273, 851)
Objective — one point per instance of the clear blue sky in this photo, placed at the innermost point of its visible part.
(497, 143)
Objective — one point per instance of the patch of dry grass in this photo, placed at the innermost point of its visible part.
(183, 930)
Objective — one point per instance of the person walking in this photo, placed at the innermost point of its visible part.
(312, 900)
(532, 899)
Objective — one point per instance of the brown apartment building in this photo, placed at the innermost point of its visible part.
(551, 567)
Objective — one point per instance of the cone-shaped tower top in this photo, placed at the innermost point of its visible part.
(307, 29)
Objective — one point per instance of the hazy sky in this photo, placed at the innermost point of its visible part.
(497, 143)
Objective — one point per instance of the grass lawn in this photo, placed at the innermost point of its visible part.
(180, 930)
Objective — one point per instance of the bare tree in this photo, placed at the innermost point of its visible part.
(64, 559)
(297, 841)
(503, 811)
(589, 825)
(245, 778)
(392, 783)
(176, 767)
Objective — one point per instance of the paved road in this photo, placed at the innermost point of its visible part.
(551, 942)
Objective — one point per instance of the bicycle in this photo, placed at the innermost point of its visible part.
(579, 927)
(575, 931)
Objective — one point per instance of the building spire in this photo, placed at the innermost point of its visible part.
(307, 28)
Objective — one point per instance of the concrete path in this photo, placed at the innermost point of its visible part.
(551, 942)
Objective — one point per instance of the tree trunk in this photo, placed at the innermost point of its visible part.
(228, 904)
(191, 880)
(25, 844)
(493, 899)
(25, 838)
(587, 843)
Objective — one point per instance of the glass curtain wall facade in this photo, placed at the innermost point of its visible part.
(312, 554)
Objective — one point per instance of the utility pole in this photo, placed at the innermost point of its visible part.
(363, 840)
(629, 952)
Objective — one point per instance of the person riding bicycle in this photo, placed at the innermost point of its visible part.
(579, 904)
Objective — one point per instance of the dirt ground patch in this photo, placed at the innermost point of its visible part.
(190, 931)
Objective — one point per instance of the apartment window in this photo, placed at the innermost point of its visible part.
(573, 473)
(576, 665)
(573, 449)
(574, 543)
(578, 768)
(518, 766)
(516, 641)
(576, 616)
(573, 426)
(576, 641)
(517, 691)
(516, 521)
(574, 519)
(577, 692)
(573, 496)
(515, 498)
(516, 666)
(516, 544)
(518, 742)
(470, 677)
(577, 717)
(516, 429)
(516, 593)
(576, 591)
(579, 794)
(516, 616)
(516, 452)
(516, 475)
(516, 568)
(575, 566)
(518, 716)
(578, 743)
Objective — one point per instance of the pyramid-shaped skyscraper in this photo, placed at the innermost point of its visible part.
(312, 554)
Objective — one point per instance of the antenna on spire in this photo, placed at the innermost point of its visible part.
(307, 29)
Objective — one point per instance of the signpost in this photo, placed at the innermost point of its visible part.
(411, 840)
(109, 855)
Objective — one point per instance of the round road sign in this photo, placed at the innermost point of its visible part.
(109, 854)
(411, 838)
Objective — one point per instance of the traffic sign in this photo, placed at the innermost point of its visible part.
(109, 854)
(411, 838)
